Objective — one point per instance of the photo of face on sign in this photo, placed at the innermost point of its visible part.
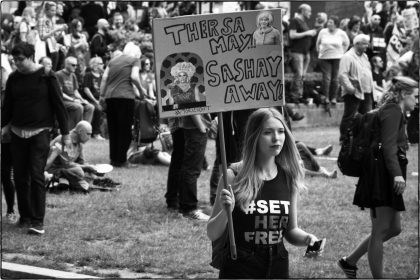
(183, 82)
(266, 34)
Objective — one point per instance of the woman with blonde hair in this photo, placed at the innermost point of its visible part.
(266, 34)
(381, 186)
(27, 26)
(263, 200)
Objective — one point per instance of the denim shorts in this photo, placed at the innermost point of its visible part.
(257, 264)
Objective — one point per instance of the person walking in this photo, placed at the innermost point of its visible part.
(117, 94)
(269, 174)
(32, 98)
(382, 191)
(355, 78)
(331, 45)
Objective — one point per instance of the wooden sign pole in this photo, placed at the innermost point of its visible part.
(224, 170)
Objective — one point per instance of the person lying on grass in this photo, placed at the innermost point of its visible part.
(262, 196)
(69, 164)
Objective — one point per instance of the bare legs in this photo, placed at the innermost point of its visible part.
(386, 225)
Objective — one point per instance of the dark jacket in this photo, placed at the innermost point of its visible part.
(393, 137)
(32, 100)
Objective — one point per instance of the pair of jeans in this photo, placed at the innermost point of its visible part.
(299, 63)
(185, 168)
(352, 105)
(120, 114)
(78, 111)
(254, 265)
(329, 69)
(97, 120)
(29, 160)
(6, 177)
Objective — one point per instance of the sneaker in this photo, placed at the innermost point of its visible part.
(333, 175)
(11, 218)
(348, 269)
(197, 215)
(98, 137)
(37, 230)
(24, 222)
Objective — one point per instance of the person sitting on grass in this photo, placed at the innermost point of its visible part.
(69, 165)
(311, 166)
(147, 154)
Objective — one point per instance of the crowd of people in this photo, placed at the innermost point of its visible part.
(393, 47)
(88, 66)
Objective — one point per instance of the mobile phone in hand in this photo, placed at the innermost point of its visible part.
(316, 249)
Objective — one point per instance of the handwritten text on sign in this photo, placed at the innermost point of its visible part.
(218, 62)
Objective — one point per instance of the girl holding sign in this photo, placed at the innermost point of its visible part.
(262, 196)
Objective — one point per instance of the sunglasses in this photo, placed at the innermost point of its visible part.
(74, 65)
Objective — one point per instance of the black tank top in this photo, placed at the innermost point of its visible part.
(266, 218)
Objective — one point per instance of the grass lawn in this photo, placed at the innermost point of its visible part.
(131, 229)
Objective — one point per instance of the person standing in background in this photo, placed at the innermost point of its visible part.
(47, 32)
(355, 77)
(117, 94)
(378, 78)
(91, 89)
(8, 185)
(331, 45)
(353, 28)
(300, 43)
(32, 99)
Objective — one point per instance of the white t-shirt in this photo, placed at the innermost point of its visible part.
(332, 46)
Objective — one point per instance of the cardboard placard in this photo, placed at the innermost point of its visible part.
(218, 62)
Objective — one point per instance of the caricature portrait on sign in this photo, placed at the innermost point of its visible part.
(183, 82)
(266, 34)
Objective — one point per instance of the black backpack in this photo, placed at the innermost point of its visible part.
(413, 126)
(361, 137)
(146, 122)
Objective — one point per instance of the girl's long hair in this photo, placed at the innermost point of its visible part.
(247, 183)
(401, 86)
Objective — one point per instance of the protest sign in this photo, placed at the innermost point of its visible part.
(411, 21)
(218, 62)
